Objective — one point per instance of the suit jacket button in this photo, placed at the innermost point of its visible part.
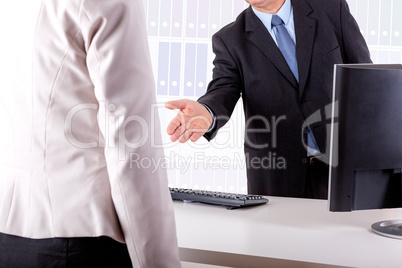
(304, 160)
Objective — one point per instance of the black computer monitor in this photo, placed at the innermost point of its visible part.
(366, 139)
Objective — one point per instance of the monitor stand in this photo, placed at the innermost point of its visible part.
(392, 229)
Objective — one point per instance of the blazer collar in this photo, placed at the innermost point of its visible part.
(261, 38)
(304, 30)
(305, 34)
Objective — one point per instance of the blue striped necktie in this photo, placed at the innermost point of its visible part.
(285, 44)
(288, 50)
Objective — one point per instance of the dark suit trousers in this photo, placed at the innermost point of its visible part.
(20, 252)
(316, 179)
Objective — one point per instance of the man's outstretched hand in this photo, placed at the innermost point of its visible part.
(191, 123)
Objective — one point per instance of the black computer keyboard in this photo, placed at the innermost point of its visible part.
(230, 200)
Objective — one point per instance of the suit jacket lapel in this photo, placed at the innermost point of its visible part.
(305, 31)
(261, 38)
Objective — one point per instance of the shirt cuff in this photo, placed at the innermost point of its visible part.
(213, 118)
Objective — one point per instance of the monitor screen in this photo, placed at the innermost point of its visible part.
(366, 137)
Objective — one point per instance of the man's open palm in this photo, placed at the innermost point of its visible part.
(192, 121)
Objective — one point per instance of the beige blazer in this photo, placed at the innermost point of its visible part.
(80, 135)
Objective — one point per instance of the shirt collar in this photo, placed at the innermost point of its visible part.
(284, 13)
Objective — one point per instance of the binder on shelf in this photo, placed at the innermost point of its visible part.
(373, 22)
(203, 17)
(165, 18)
(201, 70)
(189, 69)
(163, 69)
(175, 65)
(191, 19)
(215, 17)
(153, 17)
(396, 39)
(385, 23)
(177, 18)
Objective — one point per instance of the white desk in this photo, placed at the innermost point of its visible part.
(286, 232)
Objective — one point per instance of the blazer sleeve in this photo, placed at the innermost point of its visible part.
(119, 66)
(355, 48)
(225, 88)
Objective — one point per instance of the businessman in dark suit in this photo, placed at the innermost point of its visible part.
(277, 97)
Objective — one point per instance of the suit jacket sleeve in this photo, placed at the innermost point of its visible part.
(119, 65)
(355, 49)
(225, 88)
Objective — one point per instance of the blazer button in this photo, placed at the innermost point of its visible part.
(304, 160)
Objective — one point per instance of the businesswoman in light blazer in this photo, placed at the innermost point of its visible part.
(78, 134)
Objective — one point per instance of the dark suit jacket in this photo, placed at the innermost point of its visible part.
(248, 64)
